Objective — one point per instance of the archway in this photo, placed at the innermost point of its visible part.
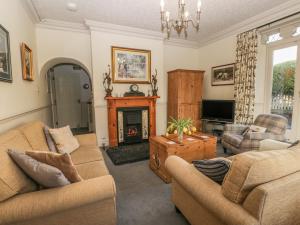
(70, 94)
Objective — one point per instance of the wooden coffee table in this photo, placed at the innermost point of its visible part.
(194, 147)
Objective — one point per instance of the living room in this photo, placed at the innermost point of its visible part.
(131, 83)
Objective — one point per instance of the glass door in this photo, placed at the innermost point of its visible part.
(285, 86)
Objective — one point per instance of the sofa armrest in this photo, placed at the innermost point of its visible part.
(50, 201)
(235, 128)
(269, 144)
(87, 139)
(207, 193)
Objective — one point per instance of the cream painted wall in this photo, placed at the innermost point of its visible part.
(57, 43)
(101, 43)
(215, 54)
(94, 51)
(20, 96)
(223, 52)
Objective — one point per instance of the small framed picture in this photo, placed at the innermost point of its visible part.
(223, 75)
(131, 65)
(27, 62)
(5, 61)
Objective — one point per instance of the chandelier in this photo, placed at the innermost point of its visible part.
(182, 22)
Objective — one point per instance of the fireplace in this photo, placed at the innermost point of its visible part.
(133, 125)
(115, 103)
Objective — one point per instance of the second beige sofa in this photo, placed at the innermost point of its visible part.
(90, 202)
(261, 188)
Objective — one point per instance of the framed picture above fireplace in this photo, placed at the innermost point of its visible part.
(131, 65)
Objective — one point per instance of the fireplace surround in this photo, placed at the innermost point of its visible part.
(114, 103)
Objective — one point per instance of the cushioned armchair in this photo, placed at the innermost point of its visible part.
(234, 140)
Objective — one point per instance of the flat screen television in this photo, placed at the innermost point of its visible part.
(219, 110)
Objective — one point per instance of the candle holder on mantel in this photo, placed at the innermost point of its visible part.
(107, 83)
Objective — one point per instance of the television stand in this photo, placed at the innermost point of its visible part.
(214, 127)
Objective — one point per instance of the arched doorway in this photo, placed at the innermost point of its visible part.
(71, 95)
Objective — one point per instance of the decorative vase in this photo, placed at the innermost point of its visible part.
(180, 136)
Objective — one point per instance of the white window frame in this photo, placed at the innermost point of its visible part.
(285, 43)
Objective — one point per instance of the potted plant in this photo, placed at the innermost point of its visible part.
(180, 126)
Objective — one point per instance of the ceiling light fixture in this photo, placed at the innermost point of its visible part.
(182, 22)
(71, 6)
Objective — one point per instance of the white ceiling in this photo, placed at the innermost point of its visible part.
(217, 15)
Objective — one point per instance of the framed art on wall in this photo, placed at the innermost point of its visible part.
(131, 65)
(222, 75)
(27, 62)
(5, 61)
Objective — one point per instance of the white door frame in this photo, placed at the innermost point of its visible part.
(294, 133)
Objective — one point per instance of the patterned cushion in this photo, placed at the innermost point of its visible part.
(215, 169)
(232, 139)
(275, 124)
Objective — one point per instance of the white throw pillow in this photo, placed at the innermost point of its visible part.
(254, 128)
(64, 139)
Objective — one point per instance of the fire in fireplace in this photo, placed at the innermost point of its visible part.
(133, 125)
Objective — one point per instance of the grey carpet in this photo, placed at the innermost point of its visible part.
(142, 197)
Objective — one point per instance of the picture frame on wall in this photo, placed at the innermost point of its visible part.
(223, 75)
(27, 62)
(5, 60)
(131, 65)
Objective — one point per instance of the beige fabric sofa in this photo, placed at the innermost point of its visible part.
(261, 188)
(90, 202)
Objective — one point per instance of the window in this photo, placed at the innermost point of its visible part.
(284, 67)
(274, 38)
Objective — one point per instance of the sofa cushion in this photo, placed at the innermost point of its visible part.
(64, 139)
(34, 132)
(63, 162)
(49, 140)
(87, 139)
(233, 139)
(12, 179)
(45, 175)
(215, 169)
(251, 169)
(92, 169)
(86, 154)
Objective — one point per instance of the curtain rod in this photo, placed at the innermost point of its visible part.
(270, 23)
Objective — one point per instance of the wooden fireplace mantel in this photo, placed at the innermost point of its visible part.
(136, 101)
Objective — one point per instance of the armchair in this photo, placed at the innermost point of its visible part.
(234, 140)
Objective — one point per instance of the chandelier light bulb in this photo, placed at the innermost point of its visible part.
(162, 5)
(167, 15)
(186, 15)
(199, 5)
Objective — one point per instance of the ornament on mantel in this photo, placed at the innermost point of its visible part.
(107, 83)
(154, 86)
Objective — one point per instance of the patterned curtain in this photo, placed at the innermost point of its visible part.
(244, 88)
